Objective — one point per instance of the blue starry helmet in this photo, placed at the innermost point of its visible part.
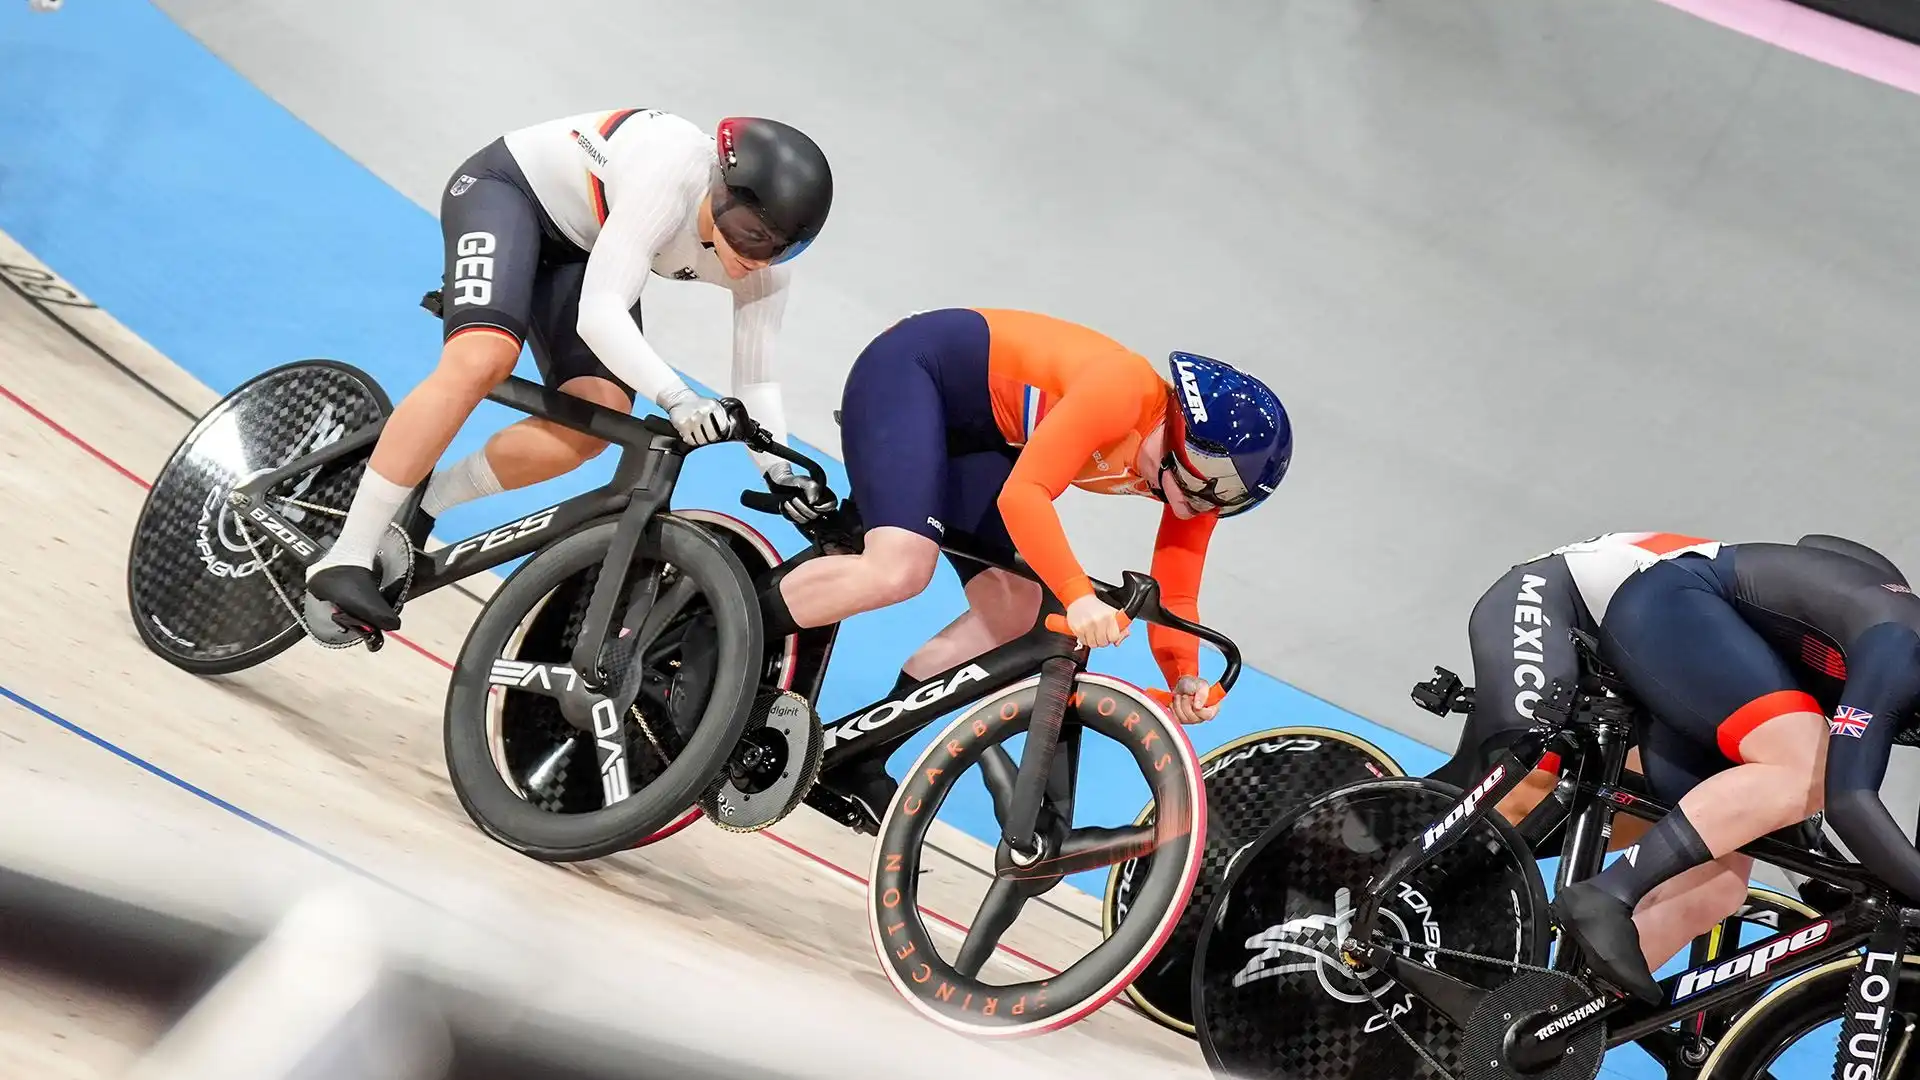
(1235, 440)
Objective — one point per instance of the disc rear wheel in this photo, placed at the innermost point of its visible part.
(1251, 783)
(1271, 994)
(209, 591)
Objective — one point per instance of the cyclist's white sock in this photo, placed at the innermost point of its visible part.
(465, 480)
(374, 506)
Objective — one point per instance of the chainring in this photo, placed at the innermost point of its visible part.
(1530, 999)
(772, 768)
(393, 562)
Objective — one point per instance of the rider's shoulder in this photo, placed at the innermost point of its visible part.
(665, 132)
(1642, 546)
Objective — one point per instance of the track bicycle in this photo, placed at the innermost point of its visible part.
(1400, 928)
(617, 685)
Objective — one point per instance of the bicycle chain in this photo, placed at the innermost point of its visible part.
(1510, 965)
(1407, 1037)
(299, 617)
(647, 730)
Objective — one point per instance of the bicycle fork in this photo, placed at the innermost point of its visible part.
(1030, 785)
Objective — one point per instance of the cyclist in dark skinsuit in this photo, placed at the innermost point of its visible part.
(1740, 652)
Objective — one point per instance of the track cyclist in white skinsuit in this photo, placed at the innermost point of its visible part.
(551, 233)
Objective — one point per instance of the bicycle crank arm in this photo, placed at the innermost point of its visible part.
(1451, 996)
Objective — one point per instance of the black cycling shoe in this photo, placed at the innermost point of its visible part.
(353, 590)
(1824, 898)
(862, 788)
(1603, 928)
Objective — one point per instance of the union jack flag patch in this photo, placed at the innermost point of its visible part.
(1849, 721)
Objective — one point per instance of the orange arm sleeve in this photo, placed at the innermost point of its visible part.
(1094, 412)
(1179, 555)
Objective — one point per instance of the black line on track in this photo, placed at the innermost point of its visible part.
(93, 346)
(46, 308)
(98, 350)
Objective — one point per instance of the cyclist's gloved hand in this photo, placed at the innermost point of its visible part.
(1190, 700)
(1094, 623)
(805, 498)
(699, 420)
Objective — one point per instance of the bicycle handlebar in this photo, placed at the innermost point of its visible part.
(1139, 598)
(759, 440)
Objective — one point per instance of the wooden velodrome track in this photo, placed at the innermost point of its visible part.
(325, 757)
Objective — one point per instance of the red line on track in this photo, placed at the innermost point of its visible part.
(101, 456)
(929, 912)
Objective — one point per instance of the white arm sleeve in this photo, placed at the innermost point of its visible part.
(651, 201)
(759, 303)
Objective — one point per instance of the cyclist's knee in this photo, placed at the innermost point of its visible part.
(479, 360)
(899, 564)
(1005, 603)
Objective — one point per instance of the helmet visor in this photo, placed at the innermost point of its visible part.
(1208, 482)
(748, 232)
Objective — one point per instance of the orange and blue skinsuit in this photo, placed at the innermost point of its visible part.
(978, 419)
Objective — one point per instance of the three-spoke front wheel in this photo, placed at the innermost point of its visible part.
(537, 780)
(946, 981)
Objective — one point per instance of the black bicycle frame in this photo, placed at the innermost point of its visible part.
(879, 727)
(650, 457)
(651, 454)
(1594, 748)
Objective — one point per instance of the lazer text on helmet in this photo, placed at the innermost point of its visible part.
(1190, 386)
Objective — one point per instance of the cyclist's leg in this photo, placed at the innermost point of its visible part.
(1000, 606)
(492, 237)
(535, 448)
(1683, 647)
(897, 412)
(1703, 895)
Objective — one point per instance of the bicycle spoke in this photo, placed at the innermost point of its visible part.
(1088, 848)
(997, 912)
(997, 770)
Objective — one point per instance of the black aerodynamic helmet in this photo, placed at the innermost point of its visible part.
(772, 189)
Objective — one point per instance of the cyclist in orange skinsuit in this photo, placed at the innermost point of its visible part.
(976, 420)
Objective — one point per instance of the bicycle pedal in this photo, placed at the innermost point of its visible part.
(375, 640)
(842, 810)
